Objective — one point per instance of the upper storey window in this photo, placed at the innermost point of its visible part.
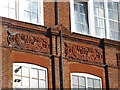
(23, 10)
(113, 11)
(100, 18)
(81, 21)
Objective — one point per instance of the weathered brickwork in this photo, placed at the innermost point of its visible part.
(40, 45)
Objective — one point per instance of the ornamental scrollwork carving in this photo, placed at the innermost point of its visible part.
(83, 53)
(33, 43)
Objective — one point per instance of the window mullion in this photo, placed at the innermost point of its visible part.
(40, 12)
(72, 15)
(29, 77)
(86, 82)
(107, 20)
(119, 19)
(91, 18)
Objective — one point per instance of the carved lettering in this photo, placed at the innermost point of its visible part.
(28, 42)
(83, 53)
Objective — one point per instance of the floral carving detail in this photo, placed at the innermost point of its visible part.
(28, 42)
(83, 53)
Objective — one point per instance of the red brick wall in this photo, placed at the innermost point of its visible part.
(50, 58)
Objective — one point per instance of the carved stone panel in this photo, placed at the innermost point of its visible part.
(83, 53)
(29, 42)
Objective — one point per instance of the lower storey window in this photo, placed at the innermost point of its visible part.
(29, 76)
(83, 81)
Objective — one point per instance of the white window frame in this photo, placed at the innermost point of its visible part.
(91, 28)
(40, 12)
(86, 76)
(31, 66)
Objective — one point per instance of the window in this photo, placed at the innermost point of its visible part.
(113, 12)
(83, 81)
(29, 76)
(98, 18)
(81, 22)
(23, 10)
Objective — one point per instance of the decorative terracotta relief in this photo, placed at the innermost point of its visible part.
(29, 42)
(83, 53)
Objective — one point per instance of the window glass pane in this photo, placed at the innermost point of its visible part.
(96, 22)
(101, 11)
(114, 35)
(101, 3)
(110, 14)
(103, 33)
(27, 5)
(25, 82)
(115, 15)
(77, 17)
(34, 7)
(42, 74)
(96, 11)
(110, 5)
(95, 3)
(12, 13)
(27, 16)
(4, 3)
(97, 32)
(82, 8)
(83, 19)
(34, 83)
(42, 84)
(25, 71)
(116, 27)
(76, 7)
(34, 73)
(12, 3)
(82, 81)
(78, 27)
(75, 80)
(5, 12)
(34, 18)
(102, 23)
(115, 6)
(90, 82)
(96, 83)
(84, 29)
(111, 25)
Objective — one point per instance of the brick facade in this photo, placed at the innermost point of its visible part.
(40, 45)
